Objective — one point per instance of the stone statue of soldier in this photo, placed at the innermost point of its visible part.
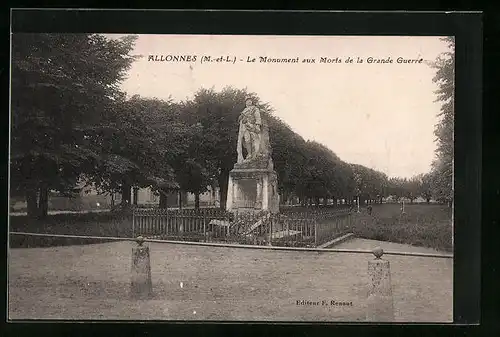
(253, 184)
(249, 135)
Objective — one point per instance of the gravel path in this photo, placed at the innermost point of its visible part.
(92, 282)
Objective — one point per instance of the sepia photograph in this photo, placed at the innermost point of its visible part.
(266, 178)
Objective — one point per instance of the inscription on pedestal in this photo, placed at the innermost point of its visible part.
(252, 190)
(247, 193)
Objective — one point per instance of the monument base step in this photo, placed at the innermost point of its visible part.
(282, 234)
(222, 223)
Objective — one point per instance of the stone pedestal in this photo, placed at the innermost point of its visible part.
(380, 306)
(141, 286)
(252, 190)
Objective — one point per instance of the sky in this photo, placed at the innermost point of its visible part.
(380, 115)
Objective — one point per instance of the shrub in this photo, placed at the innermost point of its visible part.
(423, 225)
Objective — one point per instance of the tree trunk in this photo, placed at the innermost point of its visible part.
(180, 199)
(136, 195)
(325, 201)
(163, 199)
(317, 201)
(125, 191)
(197, 201)
(223, 183)
(428, 200)
(43, 201)
(213, 197)
(32, 203)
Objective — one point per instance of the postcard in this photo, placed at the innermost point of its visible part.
(270, 178)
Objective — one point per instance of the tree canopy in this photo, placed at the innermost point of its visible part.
(70, 120)
(64, 87)
(442, 170)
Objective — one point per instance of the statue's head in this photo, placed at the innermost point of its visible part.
(248, 101)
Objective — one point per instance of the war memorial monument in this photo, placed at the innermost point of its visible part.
(253, 183)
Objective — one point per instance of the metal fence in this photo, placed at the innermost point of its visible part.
(302, 229)
(330, 226)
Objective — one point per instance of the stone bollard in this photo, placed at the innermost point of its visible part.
(380, 307)
(141, 286)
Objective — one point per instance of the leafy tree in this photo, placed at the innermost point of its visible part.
(369, 184)
(207, 152)
(63, 87)
(382, 186)
(325, 175)
(442, 180)
(135, 146)
(217, 113)
(289, 157)
(397, 187)
(425, 186)
(443, 165)
(195, 170)
(412, 188)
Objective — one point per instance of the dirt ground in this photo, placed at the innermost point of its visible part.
(212, 283)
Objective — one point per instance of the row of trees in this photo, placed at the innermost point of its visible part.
(442, 167)
(438, 183)
(71, 122)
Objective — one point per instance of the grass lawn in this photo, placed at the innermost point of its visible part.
(422, 225)
(92, 282)
(92, 224)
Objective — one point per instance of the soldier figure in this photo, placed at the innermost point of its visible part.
(250, 131)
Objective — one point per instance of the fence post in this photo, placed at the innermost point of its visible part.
(141, 286)
(205, 227)
(167, 223)
(133, 223)
(271, 219)
(380, 307)
(315, 233)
